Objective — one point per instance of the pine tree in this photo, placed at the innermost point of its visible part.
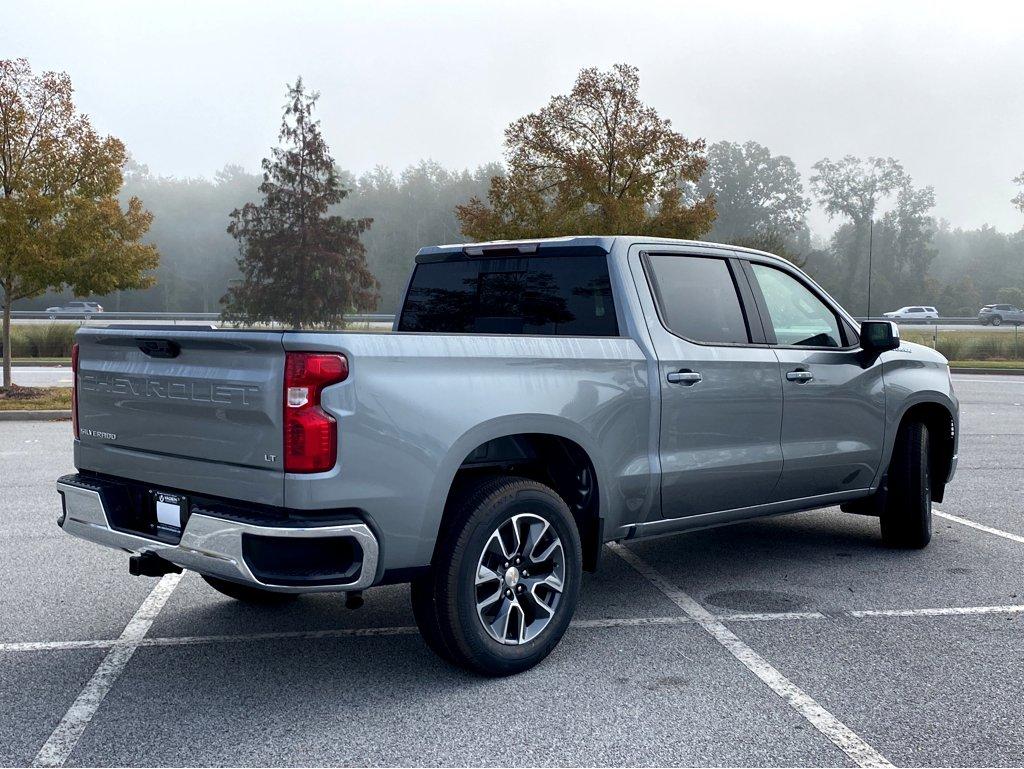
(300, 266)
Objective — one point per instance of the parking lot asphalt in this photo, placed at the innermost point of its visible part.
(791, 641)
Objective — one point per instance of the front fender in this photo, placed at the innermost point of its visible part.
(915, 375)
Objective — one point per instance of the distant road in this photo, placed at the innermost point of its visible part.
(41, 376)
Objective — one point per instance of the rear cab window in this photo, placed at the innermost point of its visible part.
(566, 295)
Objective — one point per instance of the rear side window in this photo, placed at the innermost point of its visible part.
(697, 298)
(549, 295)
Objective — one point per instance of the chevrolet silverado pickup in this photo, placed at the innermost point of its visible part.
(533, 401)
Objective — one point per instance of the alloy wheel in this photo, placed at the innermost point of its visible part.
(519, 580)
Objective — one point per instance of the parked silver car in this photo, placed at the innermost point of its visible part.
(535, 400)
(998, 314)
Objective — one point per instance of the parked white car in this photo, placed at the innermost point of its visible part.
(918, 311)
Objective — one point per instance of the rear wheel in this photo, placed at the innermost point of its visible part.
(424, 611)
(907, 518)
(505, 578)
(249, 594)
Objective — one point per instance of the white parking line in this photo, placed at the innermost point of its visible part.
(938, 612)
(979, 526)
(71, 727)
(1001, 379)
(844, 738)
(584, 624)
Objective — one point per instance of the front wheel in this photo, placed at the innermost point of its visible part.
(505, 578)
(997, 321)
(907, 518)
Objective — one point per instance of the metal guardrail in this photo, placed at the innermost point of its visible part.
(193, 317)
(971, 321)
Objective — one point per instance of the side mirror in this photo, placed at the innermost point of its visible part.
(877, 336)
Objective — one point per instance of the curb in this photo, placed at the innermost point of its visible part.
(35, 416)
(996, 371)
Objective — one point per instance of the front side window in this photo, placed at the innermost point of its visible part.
(797, 315)
(697, 298)
(540, 296)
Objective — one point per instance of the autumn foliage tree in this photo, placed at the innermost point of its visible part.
(299, 265)
(61, 225)
(595, 160)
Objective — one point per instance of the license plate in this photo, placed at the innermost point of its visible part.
(170, 510)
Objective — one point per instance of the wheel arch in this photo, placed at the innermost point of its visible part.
(553, 452)
(939, 418)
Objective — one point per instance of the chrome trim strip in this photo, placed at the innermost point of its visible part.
(211, 545)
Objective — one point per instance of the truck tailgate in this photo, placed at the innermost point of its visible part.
(192, 396)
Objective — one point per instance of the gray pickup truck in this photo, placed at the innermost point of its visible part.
(534, 401)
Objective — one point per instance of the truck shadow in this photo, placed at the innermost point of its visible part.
(770, 565)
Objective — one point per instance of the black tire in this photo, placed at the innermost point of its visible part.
(983, 321)
(424, 611)
(996, 320)
(249, 594)
(478, 511)
(907, 518)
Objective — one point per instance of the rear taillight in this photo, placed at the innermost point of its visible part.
(74, 388)
(310, 433)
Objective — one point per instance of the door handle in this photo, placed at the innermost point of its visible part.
(688, 378)
(799, 376)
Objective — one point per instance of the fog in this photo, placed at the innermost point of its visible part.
(192, 86)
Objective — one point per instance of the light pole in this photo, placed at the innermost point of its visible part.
(871, 238)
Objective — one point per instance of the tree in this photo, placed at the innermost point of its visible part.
(594, 160)
(410, 210)
(852, 187)
(60, 221)
(1010, 295)
(1019, 200)
(198, 259)
(960, 298)
(905, 243)
(756, 194)
(774, 243)
(299, 264)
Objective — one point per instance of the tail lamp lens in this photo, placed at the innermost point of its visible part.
(310, 433)
(74, 389)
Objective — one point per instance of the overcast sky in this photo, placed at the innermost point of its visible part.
(192, 86)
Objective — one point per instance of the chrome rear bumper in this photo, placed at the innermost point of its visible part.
(209, 545)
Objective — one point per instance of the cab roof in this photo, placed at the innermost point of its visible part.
(595, 244)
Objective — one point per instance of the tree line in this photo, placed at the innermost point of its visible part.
(596, 159)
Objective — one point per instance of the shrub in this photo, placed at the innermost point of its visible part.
(970, 345)
(53, 340)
